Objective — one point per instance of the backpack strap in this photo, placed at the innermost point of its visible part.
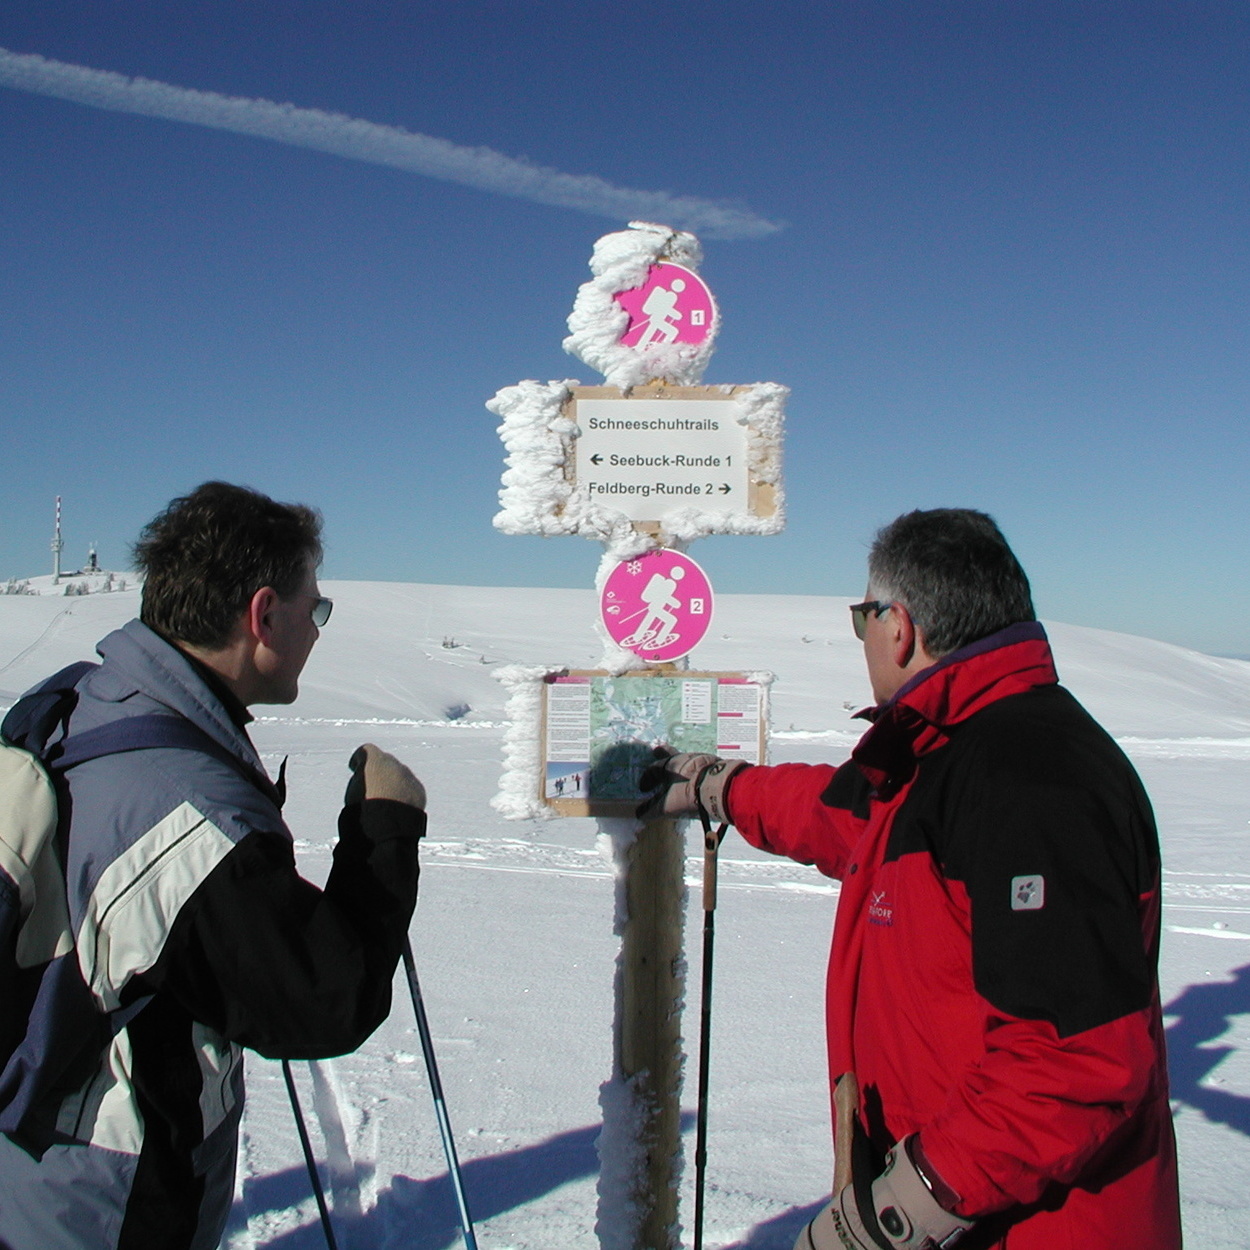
(34, 718)
(145, 733)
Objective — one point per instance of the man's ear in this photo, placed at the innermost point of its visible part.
(260, 614)
(905, 639)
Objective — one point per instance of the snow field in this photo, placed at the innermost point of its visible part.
(513, 929)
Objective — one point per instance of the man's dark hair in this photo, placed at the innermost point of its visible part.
(209, 552)
(952, 569)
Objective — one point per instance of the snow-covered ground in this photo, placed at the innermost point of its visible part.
(513, 930)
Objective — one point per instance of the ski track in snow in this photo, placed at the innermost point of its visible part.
(49, 632)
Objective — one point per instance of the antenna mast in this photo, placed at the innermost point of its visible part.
(57, 544)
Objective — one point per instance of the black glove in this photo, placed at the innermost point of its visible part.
(896, 1211)
(682, 783)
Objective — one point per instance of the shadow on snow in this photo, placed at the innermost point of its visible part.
(422, 1215)
(1205, 1012)
(781, 1232)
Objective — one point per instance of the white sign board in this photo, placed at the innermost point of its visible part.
(646, 456)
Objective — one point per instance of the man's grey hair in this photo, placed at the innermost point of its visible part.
(952, 569)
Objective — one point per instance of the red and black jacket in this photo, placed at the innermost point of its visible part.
(993, 977)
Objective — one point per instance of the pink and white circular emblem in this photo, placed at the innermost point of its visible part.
(657, 605)
(673, 305)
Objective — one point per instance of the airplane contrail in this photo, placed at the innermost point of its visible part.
(483, 168)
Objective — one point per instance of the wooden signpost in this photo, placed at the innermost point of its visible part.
(645, 463)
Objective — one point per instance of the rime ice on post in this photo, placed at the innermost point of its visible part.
(630, 350)
(645, 463)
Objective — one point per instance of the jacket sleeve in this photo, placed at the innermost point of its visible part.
(1062, 888)
(274, 963)
(802, 811)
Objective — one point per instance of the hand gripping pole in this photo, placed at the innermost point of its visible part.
(440, 1105)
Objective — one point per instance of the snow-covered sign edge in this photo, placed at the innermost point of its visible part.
(518, 797)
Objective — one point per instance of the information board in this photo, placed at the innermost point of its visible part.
(599, 731)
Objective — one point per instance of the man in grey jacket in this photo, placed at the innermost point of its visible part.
(194, 934)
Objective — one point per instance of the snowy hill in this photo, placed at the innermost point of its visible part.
(418, 652)
(514, 927)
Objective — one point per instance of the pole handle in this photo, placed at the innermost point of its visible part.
(709, 873)
(712, 838)
(845, 1109)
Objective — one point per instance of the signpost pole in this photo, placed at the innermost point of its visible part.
(651, 988)
(651, 452)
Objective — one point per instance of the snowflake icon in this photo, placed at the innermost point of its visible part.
(634, 567)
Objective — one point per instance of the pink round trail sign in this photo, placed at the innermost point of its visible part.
(673, 305)
(657, 605)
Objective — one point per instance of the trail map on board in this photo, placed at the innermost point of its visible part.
(601, 730)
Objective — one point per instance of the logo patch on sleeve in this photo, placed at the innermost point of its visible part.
(1028, 893)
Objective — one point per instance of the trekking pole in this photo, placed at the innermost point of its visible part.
(711, 844)
(309, 1161)
(440, 1105)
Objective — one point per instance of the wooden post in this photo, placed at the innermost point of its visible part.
(651, 986)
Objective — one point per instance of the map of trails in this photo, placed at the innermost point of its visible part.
(601, 730)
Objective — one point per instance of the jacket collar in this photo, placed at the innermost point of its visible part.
(918, 718)
(139, 660)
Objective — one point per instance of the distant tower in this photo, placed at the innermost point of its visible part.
(57, 544)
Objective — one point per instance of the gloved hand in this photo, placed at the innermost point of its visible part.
(896, 1211)
(377, 775)
(684, 781)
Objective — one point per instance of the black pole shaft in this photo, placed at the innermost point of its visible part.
(440, 1104)
(309, 1161)
(711, 845)
(705, 1046)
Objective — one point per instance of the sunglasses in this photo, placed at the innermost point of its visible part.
(321, 610)
(859, 614)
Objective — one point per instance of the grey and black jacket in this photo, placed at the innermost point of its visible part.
(196, 937)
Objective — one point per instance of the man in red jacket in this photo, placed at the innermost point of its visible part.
(993, 980)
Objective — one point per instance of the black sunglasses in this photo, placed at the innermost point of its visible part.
(859, 614)
(321, 610)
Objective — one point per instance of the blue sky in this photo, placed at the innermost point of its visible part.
(1013, 276)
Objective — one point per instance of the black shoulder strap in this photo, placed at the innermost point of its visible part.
(144, 733)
